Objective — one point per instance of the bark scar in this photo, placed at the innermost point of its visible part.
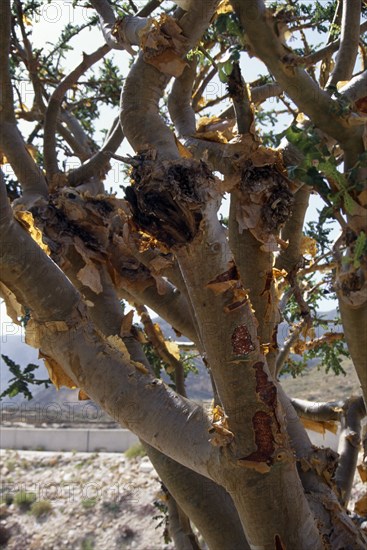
(241, 341)
(265, 423)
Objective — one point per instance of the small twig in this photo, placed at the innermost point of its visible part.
(54, 106)
(288, 344)
(99, 163)
(127, 160)
(160, 347)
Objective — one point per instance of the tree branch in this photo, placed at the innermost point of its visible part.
(140, 119)
(328, 50)
(290, 257)
(330, 411)
(354, 411)
(101, 370)
(202, 504)
(295, 81)
(356, 88)
(286, 349)
(121, 34)
(347, 54)
(161, 348)
(11, 142)
(98, 163)
(239, 94)
(179, 102)
(54, 106)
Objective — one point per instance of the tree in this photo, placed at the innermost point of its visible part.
(244, 472)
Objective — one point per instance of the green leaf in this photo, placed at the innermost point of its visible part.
(349, 203)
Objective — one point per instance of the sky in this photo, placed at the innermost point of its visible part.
(47, 27)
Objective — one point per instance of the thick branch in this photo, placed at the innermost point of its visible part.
(11, 142)
(354, 411)
(354, 322)
(123, 33)
(318, 411)
(179, 102)
(290, 257)
(256, 275)
(202, 505)
(349, 40)
(129, 395)
(356, 88)
(140, 119)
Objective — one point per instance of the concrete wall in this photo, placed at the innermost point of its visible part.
(49, 439)
(84, 440)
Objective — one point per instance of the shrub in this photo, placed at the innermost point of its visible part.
(24, 500)
(89, 503)
(41, 508)
(87, 543)
(135, 451)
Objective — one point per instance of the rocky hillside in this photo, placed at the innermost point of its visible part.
(62, 501)
(81, 501)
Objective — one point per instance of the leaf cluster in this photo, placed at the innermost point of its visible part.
(22, 379)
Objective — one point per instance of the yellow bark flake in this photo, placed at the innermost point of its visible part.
(163, 45)
(3, 159)
(57, 376)
(320, 426)
(35, 331)
(140, 367)
(26, 219)
(279, 273)
(173, 349)
(83, 396)
(308, 246)
(116, 342)
(13, 308)
(224, 7)
(127, 323)
(160, 263)
(184, 151)
(361, 505)
(220, 433)
(362, 198)
(215, 136)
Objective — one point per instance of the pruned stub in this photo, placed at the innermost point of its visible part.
(69, 215)
(167, 198)
(277, 199)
